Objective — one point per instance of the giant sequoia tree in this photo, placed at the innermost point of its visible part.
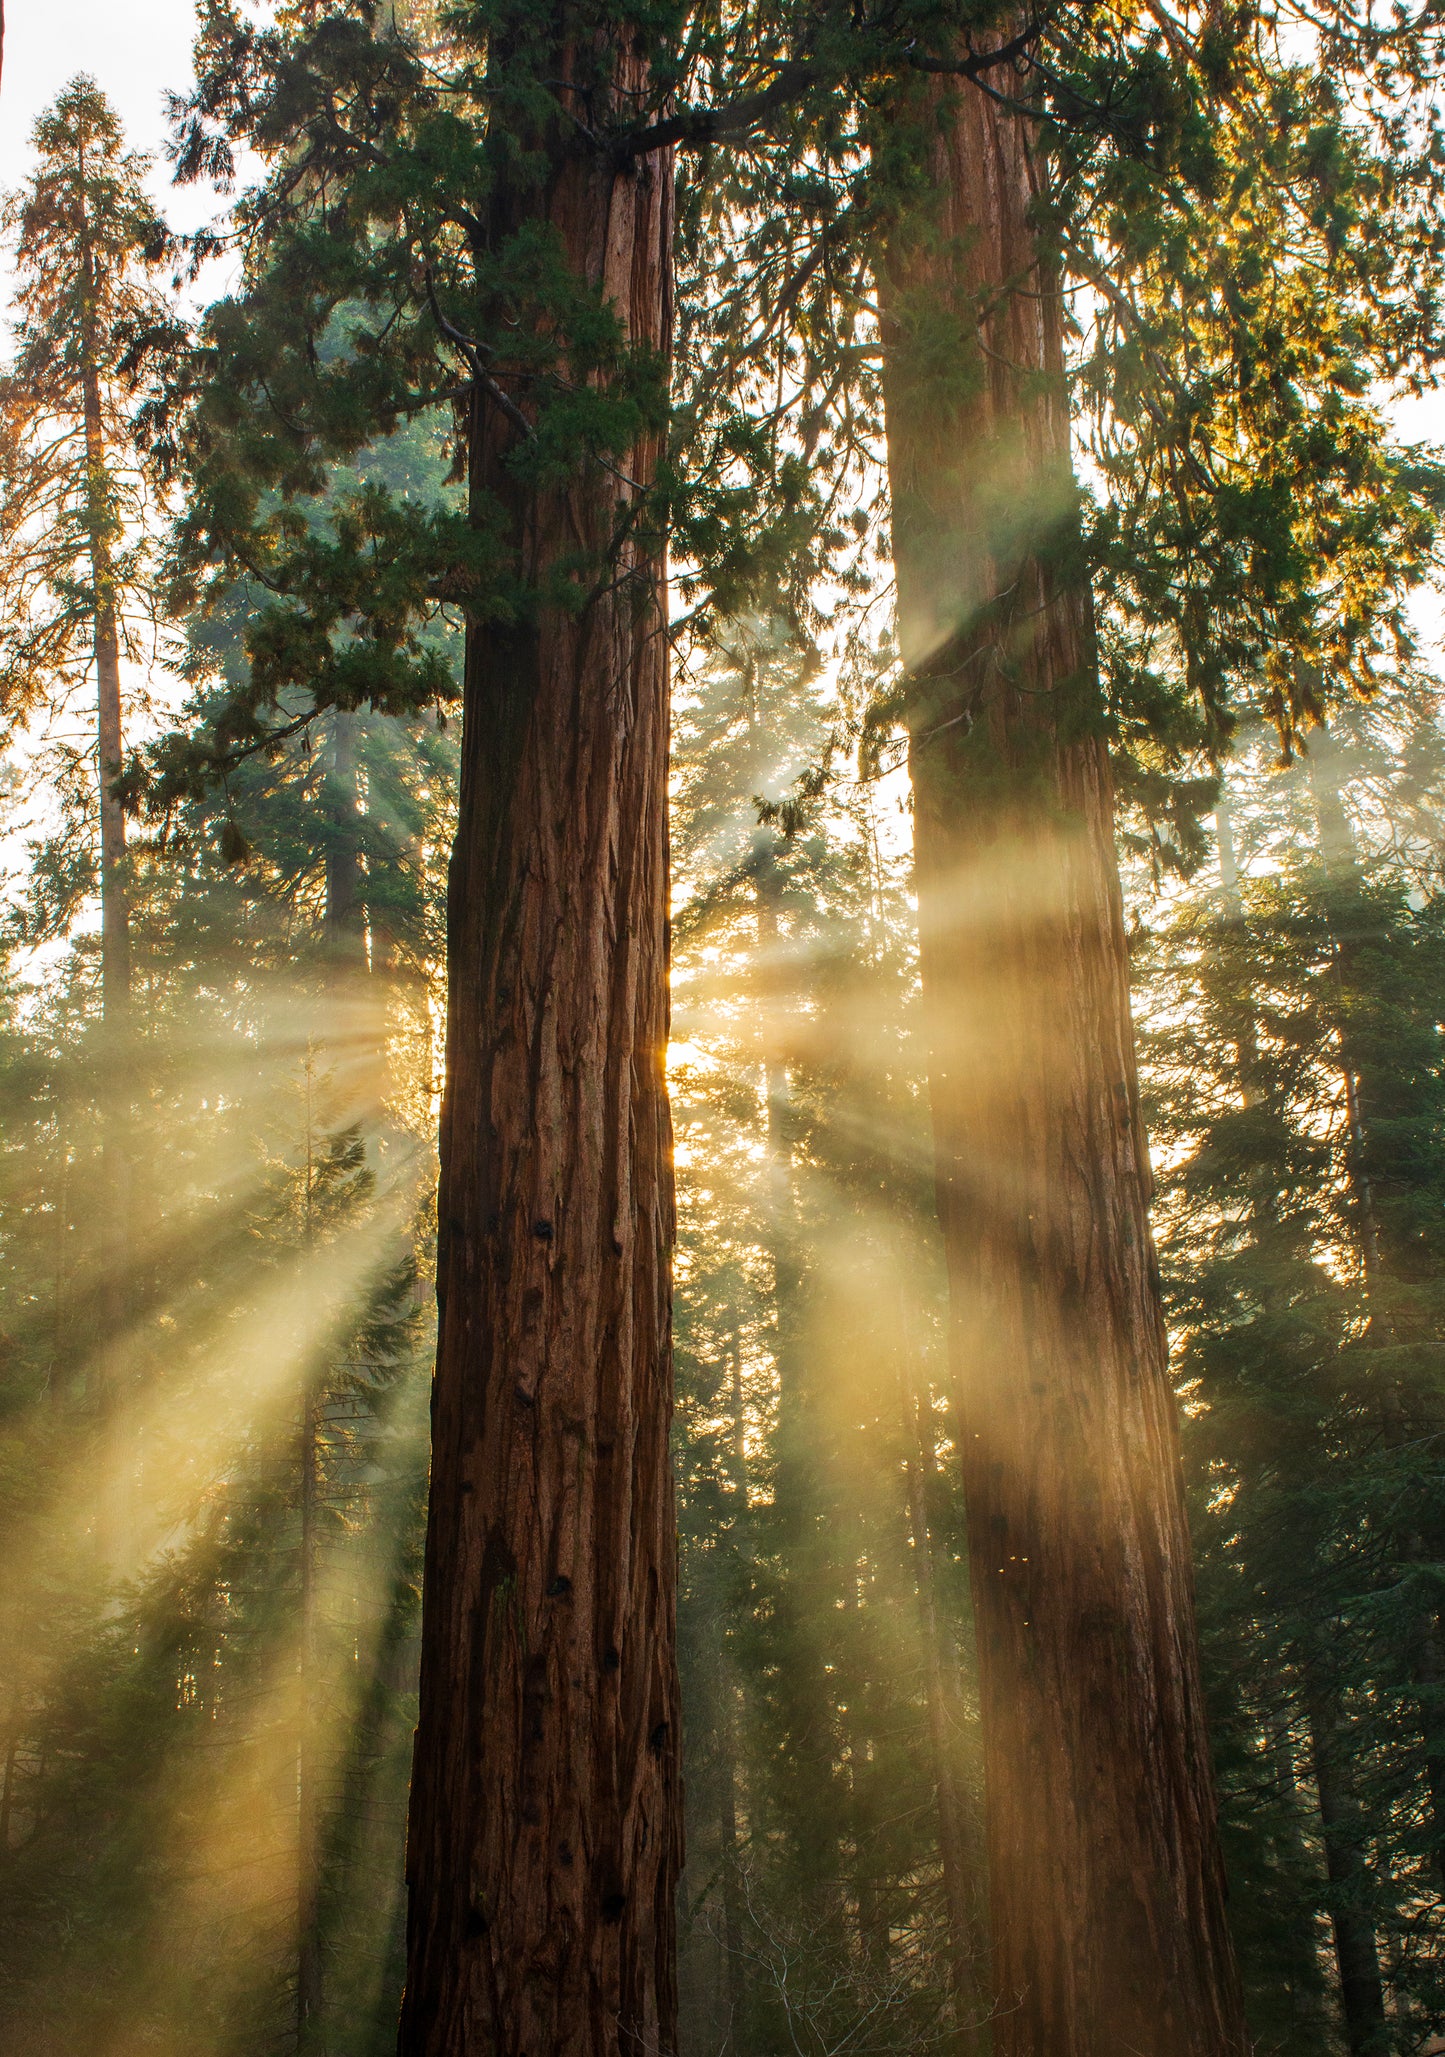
(489, 226)
(498, 235)
(1033, 1073)
(428, 241)
(1107, 1887)
(1256, 539)
(544, 1839)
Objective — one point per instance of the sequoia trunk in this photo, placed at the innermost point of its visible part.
(544, 1840)
(1107, 1921)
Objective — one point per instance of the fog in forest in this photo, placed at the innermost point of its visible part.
(575, 579)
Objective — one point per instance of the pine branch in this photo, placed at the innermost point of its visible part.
(738, 120)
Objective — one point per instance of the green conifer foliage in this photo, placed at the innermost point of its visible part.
(78, 524)
(88, 237)
(159, 1880)
(1312, 1393)
(1255, 234)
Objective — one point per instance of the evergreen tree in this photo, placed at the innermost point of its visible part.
(208, 1768)
(77, 524)
(1315, 1573)
(1129, 113)
(555, 1208)
(1257, 539)
(76, 532)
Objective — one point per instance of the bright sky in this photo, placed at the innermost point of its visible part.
(134, 49)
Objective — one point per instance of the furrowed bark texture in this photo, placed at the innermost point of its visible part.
(544, 1841)
(1108, 1924)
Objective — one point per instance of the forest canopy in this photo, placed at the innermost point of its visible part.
(722, 1037)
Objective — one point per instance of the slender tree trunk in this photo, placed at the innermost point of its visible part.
(310, 1996)
(804, 1693)
(354, 1003)
(1246, 1047)
(11, 1752)
(1228, 859)
(1342, 872)
(343, 847)
(729, 1836)
(858, 1795)
(116, 1519)
(59, 1354)
(959, 1861)
(310, 1993)
(353, 1033)
(545, 1834)
(115, 971)
(1362, 1996)
(737, 1401)
(1108, 1926)
(110, 747)
(731, 1856)
(1341, 861)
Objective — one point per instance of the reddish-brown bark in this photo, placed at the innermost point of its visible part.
(114, 898)
(1107, 1892)
(116, 1516)
(544, 1840)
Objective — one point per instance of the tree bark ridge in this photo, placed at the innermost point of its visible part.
(544, 1842)
(1107, 1889)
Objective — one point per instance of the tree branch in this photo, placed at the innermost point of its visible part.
(471, 351)
(731, 123)
(738, 119)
